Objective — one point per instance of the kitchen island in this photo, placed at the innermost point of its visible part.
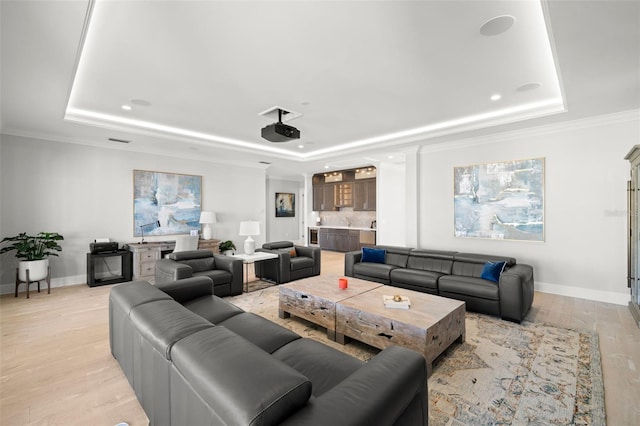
(344, 238)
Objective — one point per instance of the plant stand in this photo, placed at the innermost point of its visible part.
(28, 282)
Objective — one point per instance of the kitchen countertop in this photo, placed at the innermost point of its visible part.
(355, 228)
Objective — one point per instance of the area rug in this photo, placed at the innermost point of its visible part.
(503, 374)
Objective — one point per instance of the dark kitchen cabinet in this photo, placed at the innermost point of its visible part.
(364, 195)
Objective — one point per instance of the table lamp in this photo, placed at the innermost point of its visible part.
(207, 218)
(248, 229)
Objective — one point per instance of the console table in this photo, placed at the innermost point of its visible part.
(146, 255)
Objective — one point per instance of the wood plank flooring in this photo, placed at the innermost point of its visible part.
(56, 367)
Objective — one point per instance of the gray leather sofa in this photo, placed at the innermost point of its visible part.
(192, 358)
(224, 271)
(454, 275)
(287, 267)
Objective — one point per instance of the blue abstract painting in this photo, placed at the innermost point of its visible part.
(502, 200)
(165, 203)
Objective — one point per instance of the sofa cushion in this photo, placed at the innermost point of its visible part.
(212, 308)
(263, 333)
(492, 270)
(277, 245)
(373, 255)
(415, 278)
(431, 260)
(469, 286)
(221, 368)
(219, 276)
(373, 270)
(300, 262)
(324, 366)
(190, 254)
(396, 256)
(165, 322)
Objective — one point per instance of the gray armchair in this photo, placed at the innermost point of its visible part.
(293, 262)
(225, 271)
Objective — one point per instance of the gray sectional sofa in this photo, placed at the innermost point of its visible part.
(193, 358)
(454, 275)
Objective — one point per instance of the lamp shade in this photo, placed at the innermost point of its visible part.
(208, 217)
(249, 228)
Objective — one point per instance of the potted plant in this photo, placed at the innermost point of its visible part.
(34, 252)
(227, 247)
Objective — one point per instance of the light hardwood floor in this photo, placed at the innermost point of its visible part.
(56, 367)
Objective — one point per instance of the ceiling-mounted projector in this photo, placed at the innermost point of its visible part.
(280, 132)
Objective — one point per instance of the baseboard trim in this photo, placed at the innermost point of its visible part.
(583, 293)
(561, 290)
(9, 288)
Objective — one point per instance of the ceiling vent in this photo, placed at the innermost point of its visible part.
(119, 140)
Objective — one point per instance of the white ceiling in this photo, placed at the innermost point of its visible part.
(367, 77)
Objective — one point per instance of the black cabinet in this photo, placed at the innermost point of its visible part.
(108, 268)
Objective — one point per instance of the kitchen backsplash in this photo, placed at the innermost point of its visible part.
(345, 216)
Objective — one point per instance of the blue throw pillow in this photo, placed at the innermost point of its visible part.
(373, 255)
(492, 270)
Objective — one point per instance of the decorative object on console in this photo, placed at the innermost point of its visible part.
(510, 193)
(396, 302)
(227, 247)
(285, 204)
(249, 229)
(172, 199)
(142, 227)
(35, 252)
(207, 218)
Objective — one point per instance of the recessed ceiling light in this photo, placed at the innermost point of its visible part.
(497, 25)
(300, 146)
(126, 107)
(529, 86)
(496, 97)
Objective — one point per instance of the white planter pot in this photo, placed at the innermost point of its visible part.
(228, 252)
(38, 269)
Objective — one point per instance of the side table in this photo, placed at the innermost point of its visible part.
(248, 259)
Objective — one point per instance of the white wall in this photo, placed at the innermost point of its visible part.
(584, 252)
(283, 228)
(85, 192)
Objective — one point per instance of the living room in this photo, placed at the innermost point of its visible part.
(73, 181)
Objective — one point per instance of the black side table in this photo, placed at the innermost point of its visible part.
(121, 273)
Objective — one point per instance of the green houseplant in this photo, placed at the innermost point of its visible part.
(34, 252)
(226, 246)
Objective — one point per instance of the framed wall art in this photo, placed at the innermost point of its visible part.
(285, 204)
(502, 200)
(165, 203)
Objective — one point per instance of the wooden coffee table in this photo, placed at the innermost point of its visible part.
(429, 327)
(315, 298)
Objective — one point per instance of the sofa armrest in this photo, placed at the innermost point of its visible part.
(168, 270)
(187, 289)
(278, 269)
(350, 259)
(234, 266)
(516, 292)
(392, 385)
(313, 252)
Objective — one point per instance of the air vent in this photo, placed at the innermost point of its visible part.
(265, 162)
(119, 140)
(287, 114)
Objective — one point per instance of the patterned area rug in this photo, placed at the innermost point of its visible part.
(503, 374)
